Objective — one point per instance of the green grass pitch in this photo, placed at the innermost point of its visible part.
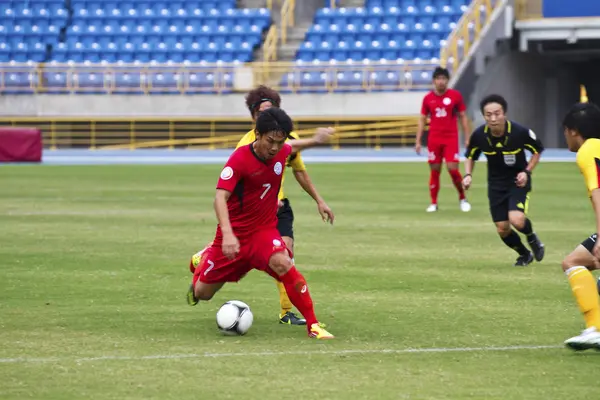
(93, 275)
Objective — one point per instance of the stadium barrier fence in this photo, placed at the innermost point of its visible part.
(225, 78)
(209, 133)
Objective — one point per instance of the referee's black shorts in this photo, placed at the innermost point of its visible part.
(503, 200)
(285, 219)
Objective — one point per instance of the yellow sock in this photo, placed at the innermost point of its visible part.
(284, 300)
(585, 291)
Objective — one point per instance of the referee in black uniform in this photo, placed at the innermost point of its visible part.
(509, 175)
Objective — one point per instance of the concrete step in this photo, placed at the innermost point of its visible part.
(353, 3)
(251, 3)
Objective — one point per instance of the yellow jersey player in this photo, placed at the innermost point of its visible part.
(582, 132)
(257, 101)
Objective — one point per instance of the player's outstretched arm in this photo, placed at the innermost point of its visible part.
(231, 245)
(322, 136)
(306, 183)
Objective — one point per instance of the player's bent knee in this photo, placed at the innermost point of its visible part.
(435, 167)
(452, 166)
(581, 256)
(503, 228)
(281, 263)
(567, 263)
(517, 220)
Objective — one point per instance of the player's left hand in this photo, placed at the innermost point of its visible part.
(521, 180)
(325, 211)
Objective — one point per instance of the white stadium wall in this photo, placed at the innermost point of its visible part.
(230, 105)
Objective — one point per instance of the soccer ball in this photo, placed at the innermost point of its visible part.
(234, 318)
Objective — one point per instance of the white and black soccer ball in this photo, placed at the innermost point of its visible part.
(234, 318)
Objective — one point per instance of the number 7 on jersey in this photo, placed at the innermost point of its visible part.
(267, 187)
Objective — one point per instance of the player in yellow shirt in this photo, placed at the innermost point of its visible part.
(258, 100)
(582, 132)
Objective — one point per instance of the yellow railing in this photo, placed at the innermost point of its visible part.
(197, 78)
(467, 32)
(288, 9)
(332, 4)
(270, 4)
(155, 132)
(528, 9)
(270, 45)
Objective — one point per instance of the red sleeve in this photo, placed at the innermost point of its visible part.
(232, 172)
(424, 108)
(460, 104)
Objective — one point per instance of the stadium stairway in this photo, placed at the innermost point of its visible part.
(304, 14)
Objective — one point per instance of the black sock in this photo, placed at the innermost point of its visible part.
(528, 230)
(513, 240)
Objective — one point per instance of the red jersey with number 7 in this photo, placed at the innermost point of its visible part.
(254, 185)
(443, 111)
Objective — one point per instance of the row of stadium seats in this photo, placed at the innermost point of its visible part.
(171, 82)
(341, 14)
(437, 23)
(414, 3)
(165, 28)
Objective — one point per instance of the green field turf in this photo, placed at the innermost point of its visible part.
(93, 275)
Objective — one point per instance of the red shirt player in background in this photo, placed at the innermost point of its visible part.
(443, 106)
(246, 205)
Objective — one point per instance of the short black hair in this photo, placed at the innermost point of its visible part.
(494, 98)
(440, 71)
(257, 96)
(274, 119)
(584, 118)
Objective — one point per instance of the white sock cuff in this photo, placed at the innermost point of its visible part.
(573, 269)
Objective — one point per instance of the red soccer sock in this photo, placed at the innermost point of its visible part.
(457, 180)
(297, 291)
(434, 185)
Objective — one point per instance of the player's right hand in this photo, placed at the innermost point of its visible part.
(466, 182)
(418, 148)
(323, 135)
(230, 246)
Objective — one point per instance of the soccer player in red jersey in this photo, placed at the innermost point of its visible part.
(246, 206)
(444, 106)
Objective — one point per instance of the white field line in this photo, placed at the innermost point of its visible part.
(27, 360)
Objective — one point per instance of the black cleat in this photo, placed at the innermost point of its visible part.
(524, 260)
(537, 247)
(191, 299)
(289, 318)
